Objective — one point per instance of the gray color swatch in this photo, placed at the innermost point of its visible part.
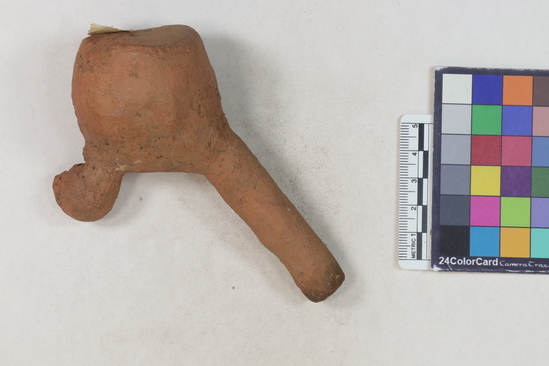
(454, 210)
(455, 179)
(456, 119)
(456, 149)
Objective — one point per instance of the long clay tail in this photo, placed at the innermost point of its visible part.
(246, 186)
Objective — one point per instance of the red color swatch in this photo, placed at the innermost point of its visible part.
(485, 150)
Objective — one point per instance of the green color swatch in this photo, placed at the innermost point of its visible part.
(515, 211)
(540, 182)
(486, 120)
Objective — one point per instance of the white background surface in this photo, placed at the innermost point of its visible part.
(172, 276)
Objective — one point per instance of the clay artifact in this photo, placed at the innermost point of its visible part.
(148, 101)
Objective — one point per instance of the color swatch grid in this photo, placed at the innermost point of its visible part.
(493, 193)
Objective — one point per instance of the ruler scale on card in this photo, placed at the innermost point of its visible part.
(414, 217)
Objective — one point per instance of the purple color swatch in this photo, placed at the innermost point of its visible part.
(516, 181)
(540, 212)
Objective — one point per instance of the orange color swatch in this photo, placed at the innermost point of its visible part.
(515, 242)
(517, 90)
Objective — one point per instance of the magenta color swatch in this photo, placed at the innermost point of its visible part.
(485, 211)
(516, 150)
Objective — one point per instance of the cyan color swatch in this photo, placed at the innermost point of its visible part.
(484, 241)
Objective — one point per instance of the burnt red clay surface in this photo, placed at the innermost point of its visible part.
(147, 101)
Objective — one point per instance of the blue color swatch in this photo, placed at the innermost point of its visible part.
(517, 120)
(487, 89)
(484, 241)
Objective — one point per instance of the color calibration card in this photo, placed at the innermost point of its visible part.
(490, 202)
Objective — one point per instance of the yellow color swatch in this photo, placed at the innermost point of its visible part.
(515, 242)
(485, 180)
(517, 90)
